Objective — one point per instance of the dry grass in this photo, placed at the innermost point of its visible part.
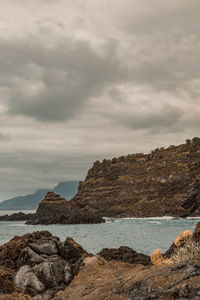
(189, 253)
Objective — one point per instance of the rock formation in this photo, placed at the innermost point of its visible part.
(57, 210)
(164, 182)
(39, 266)
(125, 254)
(16, 217)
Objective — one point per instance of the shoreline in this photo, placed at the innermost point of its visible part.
(39, 266)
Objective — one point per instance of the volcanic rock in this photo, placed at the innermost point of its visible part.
(57, 210)
(40, 264)
(101, 280)
(43, 267)
(196, 234)
(164, 182)
(6, 282)
(16, 217)
(125, 254)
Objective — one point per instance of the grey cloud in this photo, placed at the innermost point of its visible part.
(161, 16)
(53, 82)
(24, 172)
(127, 72)
(4, 137)
(166, 117)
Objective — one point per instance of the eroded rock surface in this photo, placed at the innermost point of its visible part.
(39, 264)
(165, 182)
(119, 280)
(57, 210)
(125, 254)
(43, 268)
(16, 217)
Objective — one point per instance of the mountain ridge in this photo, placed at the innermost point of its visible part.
(66, 189)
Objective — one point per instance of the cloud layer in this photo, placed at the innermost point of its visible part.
(81, 81)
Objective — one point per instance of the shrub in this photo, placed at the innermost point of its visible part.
(189, 253)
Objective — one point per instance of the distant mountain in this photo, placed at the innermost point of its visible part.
(66, 189)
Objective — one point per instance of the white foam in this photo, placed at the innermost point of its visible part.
(149, 218)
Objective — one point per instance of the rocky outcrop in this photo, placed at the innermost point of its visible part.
(164, 182)
(39, 264)
(121, 281)
(125, 254)
(16, 217)
(187, 241)
(6, 282)
(57, 210)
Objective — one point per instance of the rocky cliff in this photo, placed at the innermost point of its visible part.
(54, 209)
(164, 182)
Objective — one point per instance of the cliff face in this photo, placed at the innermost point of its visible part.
(54, 209)
(164, 182)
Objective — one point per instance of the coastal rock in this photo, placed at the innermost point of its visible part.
(179, 242)
(125, 254)
(40, 264)
(119, 280)
(49, 274)
(57, 210)
(157, 257)
(15, 296)
(196, 234)
(6, 282)
(165, 182)
(16, 217)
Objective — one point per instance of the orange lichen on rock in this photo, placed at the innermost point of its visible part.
(157, 257)
(183, 237)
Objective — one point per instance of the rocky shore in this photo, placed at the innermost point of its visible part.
(165, 182)
(39, 266)
(54, 209)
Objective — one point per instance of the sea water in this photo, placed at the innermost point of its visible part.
(143, 235)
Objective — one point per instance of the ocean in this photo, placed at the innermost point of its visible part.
(143, 235)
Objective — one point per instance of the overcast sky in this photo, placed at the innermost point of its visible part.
(87, 80)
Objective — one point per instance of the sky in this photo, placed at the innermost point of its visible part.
(85, 80)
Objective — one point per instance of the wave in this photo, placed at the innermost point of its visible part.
(139, 218)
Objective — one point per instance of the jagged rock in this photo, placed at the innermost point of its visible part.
(179, 242)
(40, 264)
(48, 277)
(27, 282)
(157, 257)
(196, 234)
(125, 254)
(6, 282)
(16, 217)
(164, 182)
(57, 210)
(118, 280)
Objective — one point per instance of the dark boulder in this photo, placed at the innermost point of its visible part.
(125, 254)
(16, 217)
(40, 264)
